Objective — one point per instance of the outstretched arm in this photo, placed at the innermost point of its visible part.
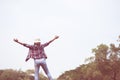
(56, 37)
(16, 40)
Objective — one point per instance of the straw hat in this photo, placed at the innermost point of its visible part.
(37, 40)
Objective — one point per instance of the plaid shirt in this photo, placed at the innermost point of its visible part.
(36, 52)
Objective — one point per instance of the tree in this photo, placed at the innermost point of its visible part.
(9, 75)
(104, 65)
(100, 53)
(114, 60)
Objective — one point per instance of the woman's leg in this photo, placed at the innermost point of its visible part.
(36, 76)
(45, 68)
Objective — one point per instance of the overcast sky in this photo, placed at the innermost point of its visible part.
(81, 25)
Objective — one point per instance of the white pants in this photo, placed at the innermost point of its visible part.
(42, 63)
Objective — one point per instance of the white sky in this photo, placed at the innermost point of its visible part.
(81, 25)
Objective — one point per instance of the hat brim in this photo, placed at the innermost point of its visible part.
(36, 41)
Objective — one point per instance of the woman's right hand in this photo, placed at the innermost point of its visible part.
(56, 37)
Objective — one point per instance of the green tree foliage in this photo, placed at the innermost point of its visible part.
(100, 53)
(104, 65)
(10, 74)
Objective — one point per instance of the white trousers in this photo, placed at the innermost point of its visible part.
(42, 63)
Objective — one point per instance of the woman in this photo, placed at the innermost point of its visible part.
(37, 53)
